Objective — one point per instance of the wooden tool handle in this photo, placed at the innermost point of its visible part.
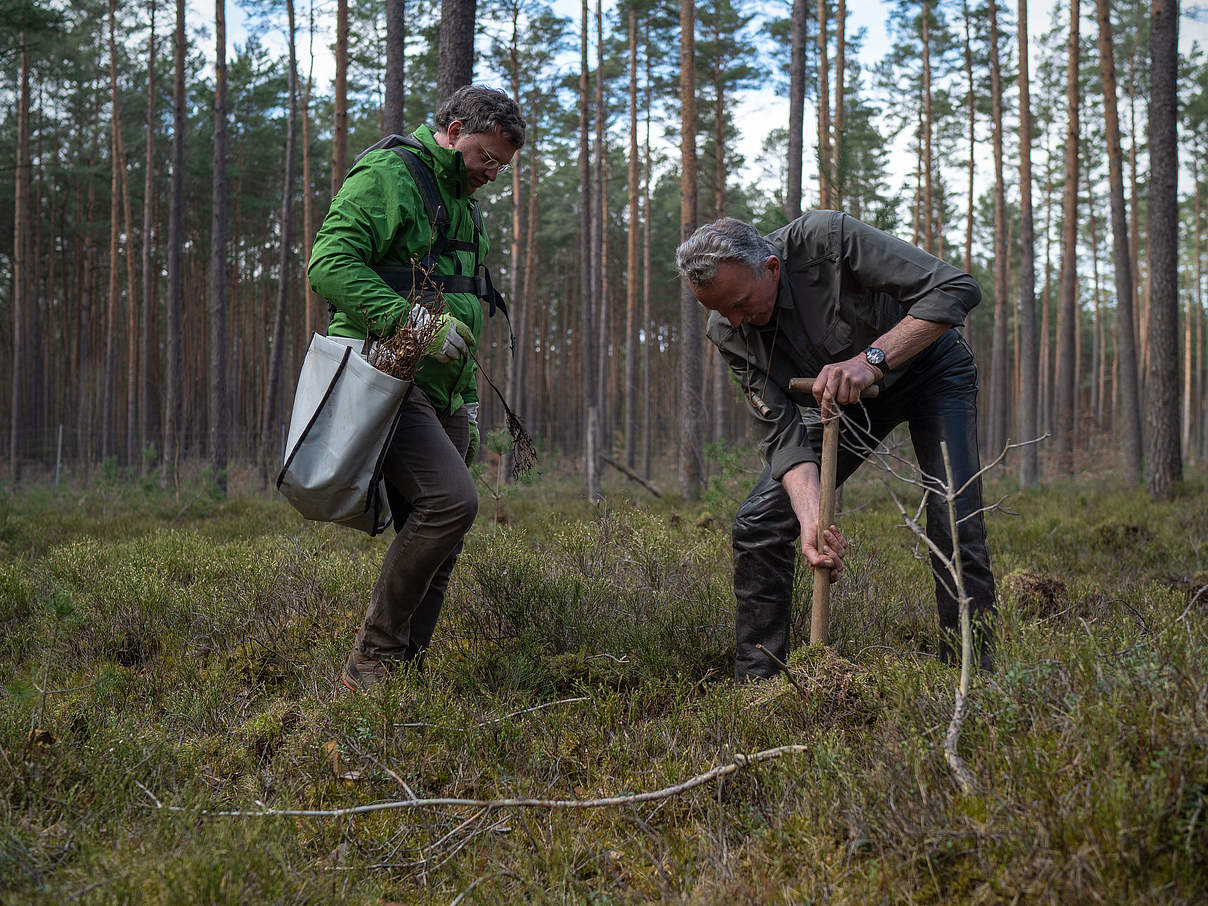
(820, 615)
(806, 385)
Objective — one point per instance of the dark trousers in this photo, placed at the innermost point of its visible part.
(937, 398)
(433, 501)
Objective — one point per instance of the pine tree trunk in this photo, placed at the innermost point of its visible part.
(455, 66)
(928, 194)
(647, 321)
(839, 173)
(969, 104)
(631, 256)
(1029, 397)
(586, 346)
(999, 404)
(600, 247)
(396, 56)
(310, 322)
(145, 392)
(690, 414)
(19, 263)
(269, 439)
(1067, 306)
(1128, 421)
(1164, 465)
(339, 136)
(824, 147)
(218, 403)
(792, 197)
(108, 389)
(519, 306)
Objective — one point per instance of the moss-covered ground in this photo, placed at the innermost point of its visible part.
(165, 654)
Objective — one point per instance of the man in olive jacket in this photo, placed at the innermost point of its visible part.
(376, 244)
(831, 297)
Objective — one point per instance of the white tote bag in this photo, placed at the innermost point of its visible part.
(345, 413)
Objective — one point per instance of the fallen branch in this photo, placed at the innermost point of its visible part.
(740, 761)
(632, 475)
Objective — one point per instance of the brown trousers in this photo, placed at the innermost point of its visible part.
(434, 502)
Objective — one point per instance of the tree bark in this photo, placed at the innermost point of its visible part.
(1164, 464)
(824, 145)
(1129, 418)
(999, 401)
(312, 306)
(839, 174)
(515, 360)
(925, 138)
(1067, 307)
(647, 320)
(455, 66)
(396, 61)
(690, 414)
(792, 197)
(1028, 351)
(631, 255)
(285, 280)
(111, 317)
(173, 367)
(587, 348)
(218, 405)
(972, 138)
(339, 136)
(20, 278)
(145, 393)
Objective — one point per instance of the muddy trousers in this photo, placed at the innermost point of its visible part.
(937, 398)
(433, 501)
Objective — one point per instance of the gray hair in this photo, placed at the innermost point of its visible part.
(483, 109)
(727, 239)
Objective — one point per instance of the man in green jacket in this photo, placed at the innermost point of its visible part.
(376, 245)
(829, 296)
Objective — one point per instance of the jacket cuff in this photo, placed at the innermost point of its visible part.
(787, 457)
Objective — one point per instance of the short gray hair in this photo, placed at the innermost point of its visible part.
(727, 239)
(483, 109)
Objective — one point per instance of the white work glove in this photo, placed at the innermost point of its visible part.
(475, 437)
(451, 339)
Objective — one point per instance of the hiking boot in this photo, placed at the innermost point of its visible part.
(362, 673)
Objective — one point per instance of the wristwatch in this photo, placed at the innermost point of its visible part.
(876, 357)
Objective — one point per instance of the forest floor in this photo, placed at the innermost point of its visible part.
(166, 655)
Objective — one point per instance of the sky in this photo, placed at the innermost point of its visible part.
(753, 110)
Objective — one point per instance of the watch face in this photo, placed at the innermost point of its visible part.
(875, 356)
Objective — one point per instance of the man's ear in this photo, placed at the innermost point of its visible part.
(454, 130)
(772, 263)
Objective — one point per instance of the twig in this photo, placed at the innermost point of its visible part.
(784, 667)
(495, 720)
(631, 475)
(740, 761)
(150, 794)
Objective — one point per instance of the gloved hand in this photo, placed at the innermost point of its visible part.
(475, 438)
(452, 338)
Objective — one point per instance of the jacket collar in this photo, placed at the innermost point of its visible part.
(448, 165)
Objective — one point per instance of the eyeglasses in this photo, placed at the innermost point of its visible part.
(491, 163)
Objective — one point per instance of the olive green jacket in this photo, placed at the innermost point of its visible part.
(378, 218)
(843, 284)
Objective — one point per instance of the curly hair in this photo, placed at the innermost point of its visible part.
(483, 109)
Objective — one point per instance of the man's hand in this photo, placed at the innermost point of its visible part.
(843, 382)
(451, 341)
(801, 484)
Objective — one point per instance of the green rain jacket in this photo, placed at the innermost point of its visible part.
(377, 218)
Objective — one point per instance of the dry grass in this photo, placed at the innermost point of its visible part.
(191, 661)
